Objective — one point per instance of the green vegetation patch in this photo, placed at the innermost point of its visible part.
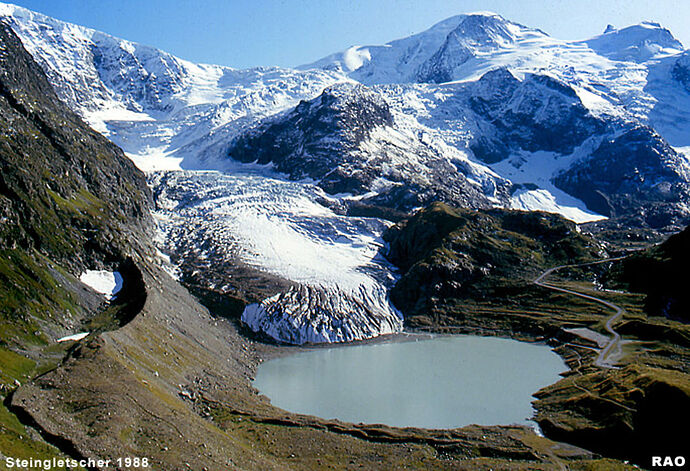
(33, 290)
(449, 253)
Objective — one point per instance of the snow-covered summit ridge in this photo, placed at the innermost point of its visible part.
(637, 43)
(464, 47)
(413, 58)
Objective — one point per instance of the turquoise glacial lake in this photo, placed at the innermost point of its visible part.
(439, 382)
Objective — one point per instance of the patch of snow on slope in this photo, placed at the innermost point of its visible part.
(355, 57)
(670, 112)
(73, 337)
(537, 169)
(152, 161)
(543, 200)
(108, 283)
(685, 151)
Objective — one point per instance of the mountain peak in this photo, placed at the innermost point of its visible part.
(452, 22)
(485, 29)
(636, 43)
(476, 34)
(431, 55)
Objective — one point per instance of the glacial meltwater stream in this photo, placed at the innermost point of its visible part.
(440, 382)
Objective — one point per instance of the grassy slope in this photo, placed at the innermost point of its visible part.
(61, 210)
(447, 253)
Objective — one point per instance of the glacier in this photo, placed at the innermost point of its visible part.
(339, 278)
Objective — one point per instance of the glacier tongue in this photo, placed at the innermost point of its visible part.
(324, 314)
(338, 281)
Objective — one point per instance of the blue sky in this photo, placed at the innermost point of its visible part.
(242, 33)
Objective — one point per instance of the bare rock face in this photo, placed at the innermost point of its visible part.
(346, 140)
(637, 174)
(538, 113)
(315, 137)
(681, 71)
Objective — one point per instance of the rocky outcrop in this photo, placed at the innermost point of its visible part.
(538, 113)
(346, 141)
(636, 175)
(313, 139)
(681, 71)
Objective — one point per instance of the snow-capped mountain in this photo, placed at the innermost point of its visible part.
(638, 43)
(477, 111)
(538, 110)
(610, 72)
(430, 56)
(147, 101)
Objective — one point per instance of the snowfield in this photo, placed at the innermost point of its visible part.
(73, 337)
(107, 283)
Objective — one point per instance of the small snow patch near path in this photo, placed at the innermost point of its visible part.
(73, 337)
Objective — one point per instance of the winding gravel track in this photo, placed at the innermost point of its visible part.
(613, 344)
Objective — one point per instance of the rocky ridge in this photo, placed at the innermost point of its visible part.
(346, 141)
(69, 201)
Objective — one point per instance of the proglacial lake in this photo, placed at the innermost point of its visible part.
(439, 382)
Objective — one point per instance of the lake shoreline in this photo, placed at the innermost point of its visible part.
(436, 382)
